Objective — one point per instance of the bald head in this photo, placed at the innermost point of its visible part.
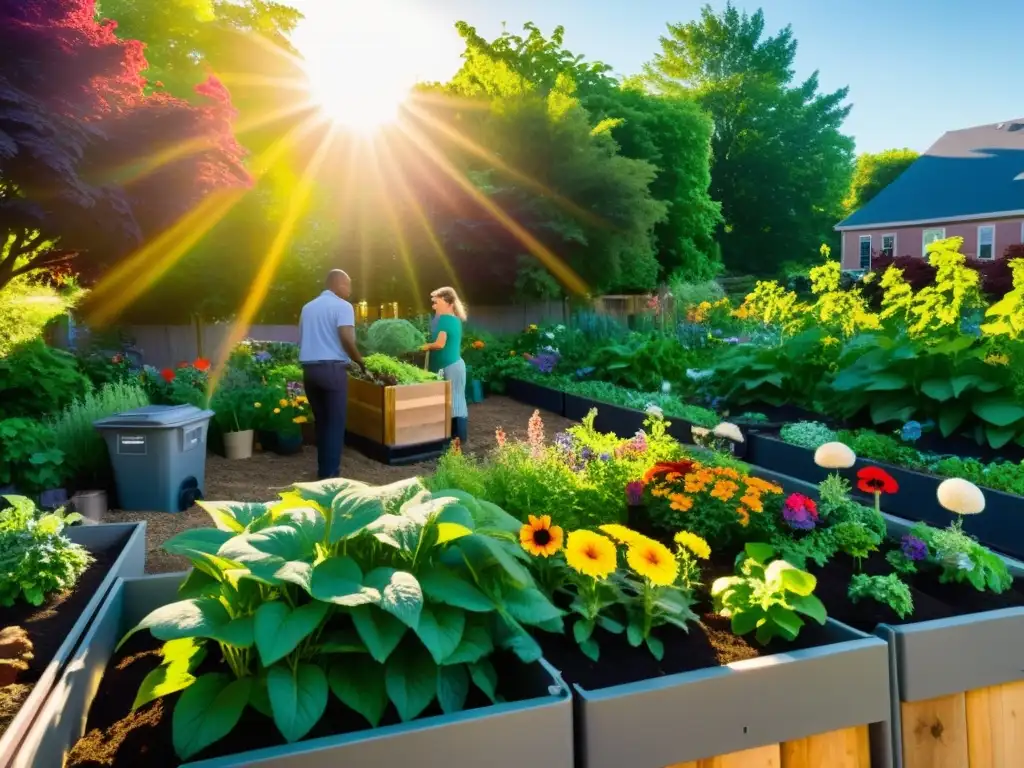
(338, 282)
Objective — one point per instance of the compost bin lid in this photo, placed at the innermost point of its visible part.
(154, 417)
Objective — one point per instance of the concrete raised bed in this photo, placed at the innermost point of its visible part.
(536, 732)
(824, 706)
(130, 562)
(1001, 527)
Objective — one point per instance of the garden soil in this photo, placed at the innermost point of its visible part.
(265, 474)
(49, 624)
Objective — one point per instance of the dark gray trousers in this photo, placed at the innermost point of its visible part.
(327, 390)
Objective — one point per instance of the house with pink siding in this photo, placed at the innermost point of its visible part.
(969, 184)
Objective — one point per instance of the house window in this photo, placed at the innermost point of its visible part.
(889, 245)
(865, 251)
(929, 236)
(986, 241)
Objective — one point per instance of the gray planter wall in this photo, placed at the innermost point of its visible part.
(537, 732)
(131, 562)
(712, 712)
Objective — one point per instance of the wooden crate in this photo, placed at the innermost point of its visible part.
(396, 417)
(846, 748)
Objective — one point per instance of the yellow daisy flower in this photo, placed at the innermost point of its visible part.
(277, 410)
(654, 561)
(621, 533)
(694, 543)
(283, 402)
(591, 554)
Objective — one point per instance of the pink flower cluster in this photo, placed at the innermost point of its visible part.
(535, 435)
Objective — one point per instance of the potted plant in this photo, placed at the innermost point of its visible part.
(392, 624)
(398, 413)
(283, 416)
(236, 407)
(56, 575)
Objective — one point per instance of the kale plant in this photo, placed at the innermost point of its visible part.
(888, 590)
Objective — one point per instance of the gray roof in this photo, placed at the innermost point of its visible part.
(966, 173)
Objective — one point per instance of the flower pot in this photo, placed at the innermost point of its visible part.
(287, 443)
(534, 731)
(120, 549)
(238, 445)
(92, 505)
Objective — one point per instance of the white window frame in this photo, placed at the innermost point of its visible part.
(925, 242)
(993, 228)
(1022, 232)
(860, 251)
(882, 249)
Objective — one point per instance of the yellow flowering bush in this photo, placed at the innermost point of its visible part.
(1007, 314)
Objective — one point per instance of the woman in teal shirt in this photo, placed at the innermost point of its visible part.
(446, 354)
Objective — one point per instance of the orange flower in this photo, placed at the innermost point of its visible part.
(743, 515)
(680, 502)
(693, 485)
(753, 502)
(540, 538)
(659, 492)
(724, 490)
(201, 364)
(478, 344)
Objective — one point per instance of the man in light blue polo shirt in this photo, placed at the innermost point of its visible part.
(327, 346)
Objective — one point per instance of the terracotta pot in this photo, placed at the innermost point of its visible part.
(238, 445)
(92, 505)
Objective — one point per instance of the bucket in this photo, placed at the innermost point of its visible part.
(238, 445)
(92, 505)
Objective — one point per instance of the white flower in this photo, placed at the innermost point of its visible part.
(666, 387)
(961, 497)
(549, 334)
(559, 327)
(729, 431)
(835, 456)
(655, 411)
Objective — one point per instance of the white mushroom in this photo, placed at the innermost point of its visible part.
(961, 497)
(729, 431)
(835, 456)
(699, 432)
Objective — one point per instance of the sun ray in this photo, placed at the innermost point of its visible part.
(555, 265)
(297, 205)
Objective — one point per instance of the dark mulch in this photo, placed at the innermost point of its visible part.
(115, 739)
(49, 624)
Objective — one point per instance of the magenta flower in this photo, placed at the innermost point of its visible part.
(634, 492)
(800, 512)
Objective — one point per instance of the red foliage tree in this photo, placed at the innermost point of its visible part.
(90, 166)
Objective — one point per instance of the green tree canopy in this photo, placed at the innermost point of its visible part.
(780, 162)
(873, 173)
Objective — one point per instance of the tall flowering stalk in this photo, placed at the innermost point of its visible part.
(535, 435)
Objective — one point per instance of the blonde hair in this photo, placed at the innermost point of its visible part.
(448, 294)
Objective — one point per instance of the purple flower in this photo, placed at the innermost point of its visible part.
(634, 492)
(545, 362)
(800, 512)
(913, 548)
(262, 356)
(564, 441)
(586, 454)
(605, 457)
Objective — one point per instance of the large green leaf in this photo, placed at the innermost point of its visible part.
(452, 688)
(485, 677)
(208, 540)
(207, 711)
(278, 542)
(411, 680)
(238, 632)
(891, 408)
(530, 606)
(233, 516)
(181, 658)
(440, 629)
(453, 522)
(353, 510)
(999, 411)
(298, 699)
(397, 531)
(309, 523)
(809, 605)
(360, 687)
(513, 637)
(323, 492)
(338, 580)
(475, 643)
(951, 417)
(279, 629)
(938, 389)
(796, 581)
(963, 383)
(445, 585)
(196, 617)
(400, 594)
(999, 436)
(381, 632)
(787, 621)
(274, 573)
(482, 550)
(887, 382)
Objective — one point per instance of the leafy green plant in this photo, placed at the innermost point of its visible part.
(767, 598)
(31, 460)
(36, 558)
(377, 595)
(807, 434)
(393, 337)
(388, 372)
(670, 405)
(888, 590)
(27, 307)
(37, 380)
(86, 460)
(962, 560)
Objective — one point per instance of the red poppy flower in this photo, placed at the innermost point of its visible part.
(201, 364)
(167, 374)
(876, 480)
(666, 467)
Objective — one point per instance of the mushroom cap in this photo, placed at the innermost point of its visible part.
(961, 497)
(835, 456)
(699, 431)
(729, 431)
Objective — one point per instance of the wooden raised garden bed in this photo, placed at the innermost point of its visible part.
(399, 424)
(531, 731)
(56, 627)
(1001, 527)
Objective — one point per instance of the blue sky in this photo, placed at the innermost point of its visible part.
(915, 68)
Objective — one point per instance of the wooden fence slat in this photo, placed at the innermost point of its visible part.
(847, 748)
(759, 757)
(935, 733)
(995, 726)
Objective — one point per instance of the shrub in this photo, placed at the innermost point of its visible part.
(86, 461)
(687, 294)
(31, 460)
(26, 308)
(37, 380)
(807, 434)
(393, 338)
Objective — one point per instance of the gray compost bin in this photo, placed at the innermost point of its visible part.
(159, 456)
